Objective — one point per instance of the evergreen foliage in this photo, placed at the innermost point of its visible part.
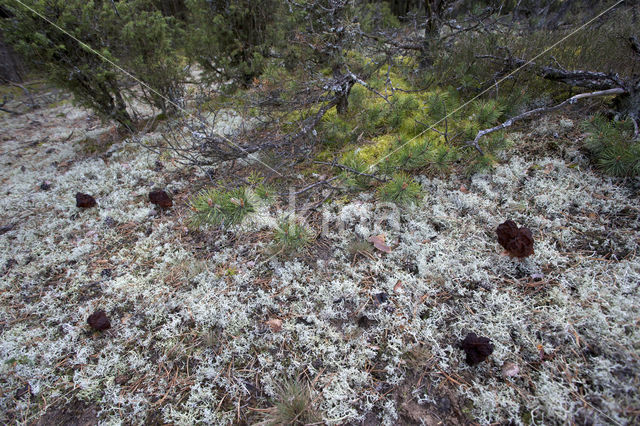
(356, 163)
(147, 48)
(402, 190)
(612, 145)
(220, 207)
(232, 40)
(290, 237)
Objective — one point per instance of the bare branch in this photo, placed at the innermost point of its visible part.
(475, 142)
(578, 78)
(349, 169)
(4, 101)
(311, 186)
(635, 44)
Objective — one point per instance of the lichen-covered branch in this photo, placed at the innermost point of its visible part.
(579, 78)
(476, 141)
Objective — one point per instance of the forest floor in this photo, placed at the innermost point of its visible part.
(207, 326)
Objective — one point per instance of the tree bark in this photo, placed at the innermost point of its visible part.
(433, 11)
(11, 68)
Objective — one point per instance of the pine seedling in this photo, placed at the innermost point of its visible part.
(357, 164)
(263, 191)
(442, 158)
(488, 112)
(612, 146)
(402, 189)
(219, 207)
(290, 237)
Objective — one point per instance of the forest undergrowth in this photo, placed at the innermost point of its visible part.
(349, 216)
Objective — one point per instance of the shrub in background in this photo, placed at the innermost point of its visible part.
(147, 49)
(132, 34)
(231, 40)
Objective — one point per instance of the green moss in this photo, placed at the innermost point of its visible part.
(357, 97)
(381, 145)
(94, 146)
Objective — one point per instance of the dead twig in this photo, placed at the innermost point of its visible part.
(475, 142)
(635, 45)
(349, 169)
(4, 101)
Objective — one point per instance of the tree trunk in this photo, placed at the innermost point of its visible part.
(344, 83)
(433, 11)
(10, 65)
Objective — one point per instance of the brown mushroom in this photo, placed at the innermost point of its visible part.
(99, 321)
(161, 199)
(85, 201)
(477, 348)
(518, 242)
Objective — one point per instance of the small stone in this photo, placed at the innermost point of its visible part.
(99, 321)
(274, 324)
(160, 199)
(85, 201)
(509, 369)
